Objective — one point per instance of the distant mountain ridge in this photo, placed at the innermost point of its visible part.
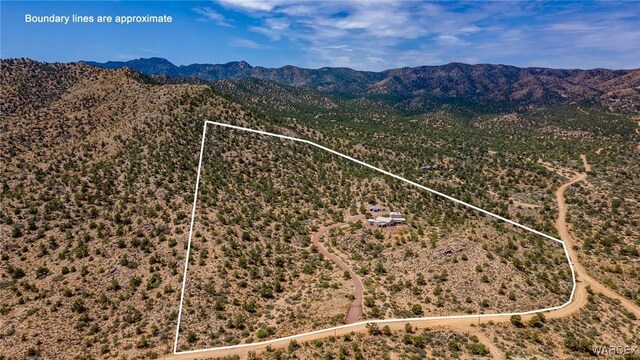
(417, 88)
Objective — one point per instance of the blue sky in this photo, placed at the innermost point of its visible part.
(361, 34)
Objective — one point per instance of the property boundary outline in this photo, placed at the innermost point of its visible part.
(378, 321)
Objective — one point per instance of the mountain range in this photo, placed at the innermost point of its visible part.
(489, 87)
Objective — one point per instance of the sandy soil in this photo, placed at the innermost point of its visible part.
(464, 325)
(587, 166)
(526, 205)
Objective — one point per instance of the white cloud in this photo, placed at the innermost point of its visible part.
(207, 14)
(374, 60)
(337, 47)
(341, 61)
(253, 5)
(246, 43)
(127, 57)
(469, 29)
(574, 27)
(150, 51)
(450, 40)
(275, 28)
(380, 34)
(370, 30)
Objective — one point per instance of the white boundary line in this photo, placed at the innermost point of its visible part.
(186, 261)
(292, 337)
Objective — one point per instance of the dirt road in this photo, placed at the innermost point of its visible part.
(587, 166)
(456, 324)
(355, 309)
(583, 278)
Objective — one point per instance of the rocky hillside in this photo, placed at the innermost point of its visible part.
(490, 87)
(97, 174)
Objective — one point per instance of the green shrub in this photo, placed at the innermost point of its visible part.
(477, 349)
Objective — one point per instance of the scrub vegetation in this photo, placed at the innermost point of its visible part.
(98, 170)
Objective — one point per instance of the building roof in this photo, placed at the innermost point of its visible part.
(383, 219)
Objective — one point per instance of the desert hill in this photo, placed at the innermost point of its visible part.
(97, 176)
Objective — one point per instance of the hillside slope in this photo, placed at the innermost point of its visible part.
(96, 182)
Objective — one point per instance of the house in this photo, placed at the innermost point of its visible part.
(397, 217)
(374, 208)
(382, 221)
(394, 218)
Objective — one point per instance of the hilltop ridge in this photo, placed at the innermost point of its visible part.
(494, 87)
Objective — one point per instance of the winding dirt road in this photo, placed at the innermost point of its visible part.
(457, 324)
(355, 309)
(582, 278)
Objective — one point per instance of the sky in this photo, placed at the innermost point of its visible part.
(361, 34)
